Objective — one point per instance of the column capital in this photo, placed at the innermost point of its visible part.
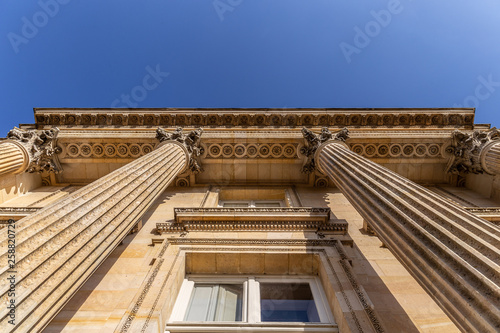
(468, 150)
(189, 142)
(314, 141)
(41, 148)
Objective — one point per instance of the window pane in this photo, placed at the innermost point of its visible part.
(215, 303)
(287, 302)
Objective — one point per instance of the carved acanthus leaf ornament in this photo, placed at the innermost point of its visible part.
(313, 141)
(41, 148)
(466, 149)
(190, 141)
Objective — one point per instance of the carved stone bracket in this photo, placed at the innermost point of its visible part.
(313, 141)
(467, 149)
(190, 141)
(41, 148)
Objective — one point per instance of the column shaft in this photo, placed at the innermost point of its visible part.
(59, 247)
(13, 158)
(491, 159)
(452, 253)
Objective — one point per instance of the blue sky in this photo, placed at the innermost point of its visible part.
(248, 53)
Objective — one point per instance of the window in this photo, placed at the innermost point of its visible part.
(252, 203)
(268, 301)
(215, 302)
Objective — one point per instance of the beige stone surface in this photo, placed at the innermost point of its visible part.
(113, 290)
(402, 305)
(106, 296)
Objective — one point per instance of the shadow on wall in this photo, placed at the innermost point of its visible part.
(389, 311)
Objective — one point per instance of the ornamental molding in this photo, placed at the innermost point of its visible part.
(93, 149)
(467, 149)
(96, 150)
(313, 141)
(19, 210)
(41, 147)
(398, 150)
(252, 150)
(252, 219)
(256, 118)
(260, 242)
(339, 228)
(190, 142)
(232, 210)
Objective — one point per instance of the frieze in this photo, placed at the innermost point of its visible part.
(399, 150)
(106, 150)
(255, 118)
(252, 150)
(247, 150)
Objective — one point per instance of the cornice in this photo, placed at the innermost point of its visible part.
(256, 118)
(253, 219)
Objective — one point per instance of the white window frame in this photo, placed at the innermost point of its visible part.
(250, 307)
(251, 203)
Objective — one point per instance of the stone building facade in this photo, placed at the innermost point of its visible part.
(250, 220)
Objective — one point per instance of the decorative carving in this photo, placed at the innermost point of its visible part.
(110, 150)
(253, 218)
(466, 149)
(19, 210)
(191, 142)
(41, 147)
(257, 118)
(182, 182)
(313, 141)
(244, 225)
(232, 210)
(399, 150)
(251, 150)
(321, 182)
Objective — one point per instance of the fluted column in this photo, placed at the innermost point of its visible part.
(59, 247)
(490, 158)
(453, 254)
(14, 158)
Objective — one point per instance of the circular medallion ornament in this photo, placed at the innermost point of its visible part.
(72, 150)
(239, 151)
(252, 150)
(109, 150)
(433, 150)
(122, 150)
(215, 150)
(135, 150)
(395, 150)
(98, 150)
(289, 151)
(146, 148)
(264, 151)
(227, 150)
